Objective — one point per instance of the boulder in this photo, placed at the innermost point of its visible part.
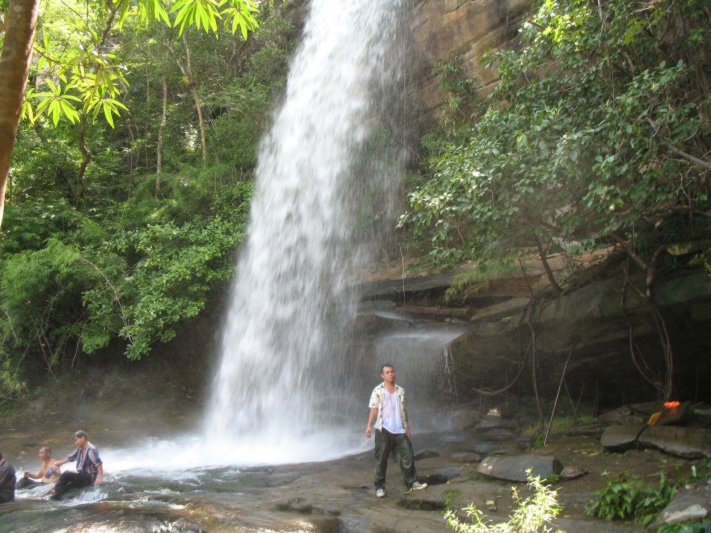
(513, 468)
(496, 435)
(467, 457)
(690, 443)
(464, 420)
(588, 430)
(688, 505)
(621, 438)
(426, 454)
(499, 448)
(623, 415)
(572, 472)
(495, 422)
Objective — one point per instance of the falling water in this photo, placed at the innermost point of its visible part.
(283, 379)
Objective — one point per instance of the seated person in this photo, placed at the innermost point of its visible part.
(7, 481)
(46, 473)
(90, 468)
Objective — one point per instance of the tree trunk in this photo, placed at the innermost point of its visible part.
(159, 155)
(20, 27)
(188, 72)
(85, 160)
(549, 272)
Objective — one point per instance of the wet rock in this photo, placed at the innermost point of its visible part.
(588, 430)
(299, 506)
(687, 506)
(572, 472)
(427, 454)
(376, 305)
(621, 438)
(183, 525)
(647, 409)
(492, 422)
(499, 448)
(623, 415)
(467, 457)
(690, 443)
(464, 420)
(440, 477)
(496, 434)
(672, 414)
(514, 468)
(423, 504)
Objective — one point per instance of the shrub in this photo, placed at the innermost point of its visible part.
(531, 515)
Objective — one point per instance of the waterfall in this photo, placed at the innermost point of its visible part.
(283, 385)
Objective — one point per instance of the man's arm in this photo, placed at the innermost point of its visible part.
(38, 475)
(99, 475)
(406, 419)
(371, 419)
(60, 462)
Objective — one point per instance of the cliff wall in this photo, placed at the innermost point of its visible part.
(462, 27)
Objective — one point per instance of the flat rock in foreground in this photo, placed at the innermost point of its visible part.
(621, 438)
(690, 443)
(689, 505)
(513, 468)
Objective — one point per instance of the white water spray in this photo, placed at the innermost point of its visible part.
(283, 388)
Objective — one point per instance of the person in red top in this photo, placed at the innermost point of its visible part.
(90, 469)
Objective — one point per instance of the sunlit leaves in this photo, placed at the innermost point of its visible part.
(203, 14)
(56, 102)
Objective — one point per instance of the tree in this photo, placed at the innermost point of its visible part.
(20, 24)
(96, 92)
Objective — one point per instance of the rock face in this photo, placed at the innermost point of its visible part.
(592, 322)
(513, 468)
(691, 443)
(465, 27)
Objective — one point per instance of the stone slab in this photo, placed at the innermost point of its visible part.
(687, 506)
(513, 468)
(621, 438)
(690, 443)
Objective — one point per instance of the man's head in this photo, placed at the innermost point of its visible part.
(387, 372)
(80, 438)
(45, 452)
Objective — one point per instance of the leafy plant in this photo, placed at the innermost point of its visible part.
(627, 497)
(588, 139)
(532, 514)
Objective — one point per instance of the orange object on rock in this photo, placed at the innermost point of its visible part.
(653, 419)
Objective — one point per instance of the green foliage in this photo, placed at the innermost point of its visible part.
(531, 515)
(449, 498)
(581, 138)
(626, 497)
(119, 260)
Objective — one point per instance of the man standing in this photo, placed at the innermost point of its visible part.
(90, 468)
(388, 408)
(7, 481)
(46, 474)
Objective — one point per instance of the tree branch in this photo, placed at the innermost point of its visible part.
(674, 149)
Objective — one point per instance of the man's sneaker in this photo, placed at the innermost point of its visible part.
(418, 486)
(380, 493)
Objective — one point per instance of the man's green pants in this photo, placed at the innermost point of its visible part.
(385, 442)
